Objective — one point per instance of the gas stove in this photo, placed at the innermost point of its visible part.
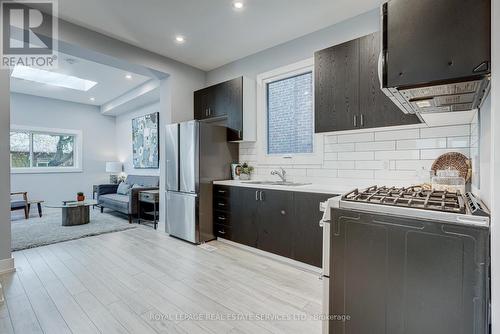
(451, 207)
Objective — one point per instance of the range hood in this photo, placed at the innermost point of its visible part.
(436, 54)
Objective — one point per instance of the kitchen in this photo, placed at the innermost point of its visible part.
(324, 167)
(379, 161)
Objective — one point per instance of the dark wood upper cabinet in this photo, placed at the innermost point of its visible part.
(347, 88)
(375, 108)
(336, 87)
(233, 102)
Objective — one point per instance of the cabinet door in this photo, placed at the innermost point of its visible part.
(307, 234)
(375, 108)
(202, 103)
(337, 87)
(274, 222)
(244, 207)
(234, 108)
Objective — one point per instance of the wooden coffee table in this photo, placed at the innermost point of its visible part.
(74, 213)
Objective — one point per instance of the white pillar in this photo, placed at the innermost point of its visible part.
(6, 261)
(495, 168)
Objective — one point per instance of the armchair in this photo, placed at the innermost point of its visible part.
(107, 197)
(19, 201)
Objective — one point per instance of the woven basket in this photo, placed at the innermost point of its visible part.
(454, 160)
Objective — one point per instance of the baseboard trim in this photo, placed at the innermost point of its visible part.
(282, 259)
(7, 266)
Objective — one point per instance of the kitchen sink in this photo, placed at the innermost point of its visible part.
(278, 183)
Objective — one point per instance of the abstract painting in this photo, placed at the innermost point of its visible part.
(145, 141)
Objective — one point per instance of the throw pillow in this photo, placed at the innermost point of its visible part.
(123, 189)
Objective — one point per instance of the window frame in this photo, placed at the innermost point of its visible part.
(77, 150)
(263, 157)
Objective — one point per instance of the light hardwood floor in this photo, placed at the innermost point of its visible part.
(143, 281)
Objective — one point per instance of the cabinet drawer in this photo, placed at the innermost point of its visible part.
(147, 197)
(221, 203)
(223, 231)
(222, 217)
(222, 191)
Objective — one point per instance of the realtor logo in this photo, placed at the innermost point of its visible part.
(29, 33)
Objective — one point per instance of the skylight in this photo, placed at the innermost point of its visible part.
(52, 78)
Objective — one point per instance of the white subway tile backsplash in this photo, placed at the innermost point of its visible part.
(356, 137)
(397, 155)
(412, 144)
(459, 142)
(395, 175)
(330, 140)
(374, 165)
(339, 164)
(373, 156)
(399, 134)
(376, 146)
(348, 147)
(355, 155)
(412, 164)
(445, 131)
(356, 174)
(330, 156)
(322, 172)
(434, 154)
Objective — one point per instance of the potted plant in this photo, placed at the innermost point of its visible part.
(80, 197)
(246, 171)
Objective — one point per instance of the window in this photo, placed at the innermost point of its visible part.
(290, 115)
(285, 116)
(36, 150)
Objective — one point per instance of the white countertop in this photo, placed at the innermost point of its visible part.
(309, 188)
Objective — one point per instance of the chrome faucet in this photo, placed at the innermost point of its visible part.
(281, 173)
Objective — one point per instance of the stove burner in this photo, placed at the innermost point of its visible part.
(412, 197)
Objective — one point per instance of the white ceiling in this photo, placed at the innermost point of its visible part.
(215, 33)
(111, 82)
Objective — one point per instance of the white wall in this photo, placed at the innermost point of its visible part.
(123, 139)
(98, 145)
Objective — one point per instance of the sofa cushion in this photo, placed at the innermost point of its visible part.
(16, 204)
(115, 202)
(115, 197)
(123, 189)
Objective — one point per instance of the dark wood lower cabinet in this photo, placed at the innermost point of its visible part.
(245, 216)
(307, 234)
(275, 216)
(285, 223)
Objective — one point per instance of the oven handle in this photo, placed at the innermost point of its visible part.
(325, 224)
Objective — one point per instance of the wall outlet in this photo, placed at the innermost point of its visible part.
(387, 165)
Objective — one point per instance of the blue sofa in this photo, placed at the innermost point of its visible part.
(107, 196)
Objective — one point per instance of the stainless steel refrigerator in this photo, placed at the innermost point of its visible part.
(197, 153)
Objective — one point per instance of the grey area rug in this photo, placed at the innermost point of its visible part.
(36, 231)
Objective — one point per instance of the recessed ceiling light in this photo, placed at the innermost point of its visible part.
(179, 39)
(128, 76)
(92, 99)
(238, 4)
(52, 78)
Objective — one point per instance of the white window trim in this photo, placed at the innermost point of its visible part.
(316, 157)
(77, 153)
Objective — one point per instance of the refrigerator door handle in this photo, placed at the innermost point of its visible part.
(172, 154)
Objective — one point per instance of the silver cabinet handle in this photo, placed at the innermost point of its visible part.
(222, 232)
(355, 121)
(261, 196)
(221, 218)
(362, 120)
(256, 195)
(221, 191)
